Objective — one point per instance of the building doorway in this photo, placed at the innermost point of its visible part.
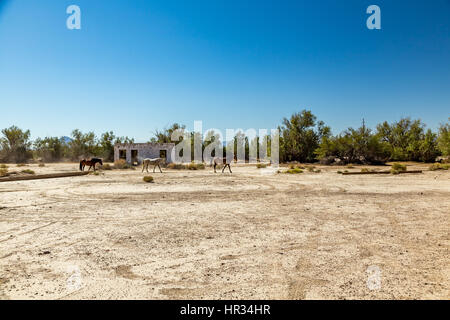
(163, 154)
(134, 157)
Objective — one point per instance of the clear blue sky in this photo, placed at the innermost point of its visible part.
(136, 66)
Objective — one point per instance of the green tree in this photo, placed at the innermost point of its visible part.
(354, 146)
(82, 145)
(124, 140)
(15, 145)
(50, 148)
(429, 147)
(404, 138)
(106, 145)
(443, 140)
(300, 136)
(165, 135)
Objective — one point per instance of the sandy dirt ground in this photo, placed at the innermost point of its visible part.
(246, 235)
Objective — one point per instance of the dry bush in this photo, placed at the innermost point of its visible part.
(294, 171)
(365, 170)
(22, 165)
(148, 179)
(3, 166)
(176, 166)
(122, 164)
(339, 171)
(398, 168)
(439, 166)
(261, 165)
(41, 165)
(196, 166)
(296, 166)
(350, 166)
(106, 166)
(28, 171)
(4, 172)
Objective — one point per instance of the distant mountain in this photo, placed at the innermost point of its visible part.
(66, 139)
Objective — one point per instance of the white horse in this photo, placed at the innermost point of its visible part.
(155, 162)
(224, 161)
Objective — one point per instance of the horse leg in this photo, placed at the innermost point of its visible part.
(143, 165)
(215, 164)
(159, 168)
(224, 167)
(229, 168)
(154, 168)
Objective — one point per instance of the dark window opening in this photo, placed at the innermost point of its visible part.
(163, 154)
(123, 154)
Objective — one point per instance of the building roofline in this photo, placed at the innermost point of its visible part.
(150, 144)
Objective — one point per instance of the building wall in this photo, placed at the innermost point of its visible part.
(145, 150)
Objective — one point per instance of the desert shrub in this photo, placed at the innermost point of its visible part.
(148, 179)
(350, 166)
(339, 171)
(311, 168)
(398, 168)
(176, 166)
(28, 171)
(21, 165)
(4, 172)
(294, 171)
(122, 164)
(439, 166)
(41, 165)
(365, 170)
(345, 170)
(317, 171)
(3, 166)
(106, 166)
(261, 165)
(196, 166)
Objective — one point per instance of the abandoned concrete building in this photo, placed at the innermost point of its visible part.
(134, 153)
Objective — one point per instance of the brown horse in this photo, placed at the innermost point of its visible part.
(91, 163)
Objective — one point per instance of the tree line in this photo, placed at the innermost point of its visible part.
(302, 138)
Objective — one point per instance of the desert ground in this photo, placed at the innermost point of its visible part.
(245, 235)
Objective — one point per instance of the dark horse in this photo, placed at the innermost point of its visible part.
(91, 163)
